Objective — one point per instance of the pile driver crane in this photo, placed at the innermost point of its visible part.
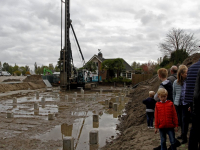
(69, 76)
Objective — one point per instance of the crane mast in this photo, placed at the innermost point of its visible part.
(67, 77)
(65, 53)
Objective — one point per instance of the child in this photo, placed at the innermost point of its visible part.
(166, 84)
(165, 119)
(150, 105)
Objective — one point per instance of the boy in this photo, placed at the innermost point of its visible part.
(150, 105)
(166, 84)
(165, 119)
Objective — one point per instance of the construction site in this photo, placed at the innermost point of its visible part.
(35, 116)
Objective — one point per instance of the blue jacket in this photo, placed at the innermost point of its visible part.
(190, 82)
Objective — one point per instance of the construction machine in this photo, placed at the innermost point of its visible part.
(70, 77)
(46, 71)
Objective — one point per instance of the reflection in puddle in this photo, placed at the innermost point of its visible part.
(80, 130)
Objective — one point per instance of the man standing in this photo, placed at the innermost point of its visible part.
(173, 76)
(192, 95)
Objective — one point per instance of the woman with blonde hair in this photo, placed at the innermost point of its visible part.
(181, 106)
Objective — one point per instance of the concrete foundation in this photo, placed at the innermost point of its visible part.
(110, 105)
(43, 100)
(14, 101)
(74, 100)
(50, 116)
(10, 115)
(115, 106)
(66, 98)
(36, 106)
(95, 118)
(37, 94)
(106, 102)
(94, 137)
(75, 94)
(95, 124)
(68, 143)
(97, 94)
(101, 90)
(122, 97)
(117, 99)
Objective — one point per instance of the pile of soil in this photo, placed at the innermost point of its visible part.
(12, 80)
(31, 82)
(33, 78)
(134, 134)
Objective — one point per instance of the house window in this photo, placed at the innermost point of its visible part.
(123, 74)
(129, 75)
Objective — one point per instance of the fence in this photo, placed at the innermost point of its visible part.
(136, 78)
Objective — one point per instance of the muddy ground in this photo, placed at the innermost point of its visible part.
(27, 129)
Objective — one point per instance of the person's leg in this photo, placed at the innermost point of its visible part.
(163, 139)
(171, 133)
(148, 119)
(151, 118)
(194, 134)
(185, 123)
(178, 111)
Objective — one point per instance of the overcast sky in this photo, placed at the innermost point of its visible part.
(128, 29)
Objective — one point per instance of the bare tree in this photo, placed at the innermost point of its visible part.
(177, 39)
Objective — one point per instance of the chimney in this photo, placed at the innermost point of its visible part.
(100, 55)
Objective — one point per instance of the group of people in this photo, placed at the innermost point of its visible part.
(176, 102)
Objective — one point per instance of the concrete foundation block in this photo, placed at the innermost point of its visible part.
(122, 97)
(101, 90)
(14, 101)
(36, 106)
(68, 143)
(95, 118)
(110, 105)
(50, 116)
(10, 115)
(37, 94)
(97, 94)
(117, 99)
(66, 98)
(106, 102)
(74, 100)
(115, 105)
(43, 100)
(75, 94)
(94, 137)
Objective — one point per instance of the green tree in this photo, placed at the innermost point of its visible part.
(18, 73)
(90, 66)
(118, 66)
(22, 70)
(178, 56)
(5, 66)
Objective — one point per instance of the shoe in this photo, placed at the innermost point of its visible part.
(169, 148)
(177, 143)
(148, 127)
(151, 127)
(184, 141)
(157, 148)
(179, 137)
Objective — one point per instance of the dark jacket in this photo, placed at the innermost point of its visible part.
(150, 103)
(172, 78)
(169, 89)
(196, 99)
(190, 82)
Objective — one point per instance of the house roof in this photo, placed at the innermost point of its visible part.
(126, 65)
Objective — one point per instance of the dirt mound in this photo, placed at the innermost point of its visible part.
(22, 86)
(11, 80)
(133, 129)
(33, 78)
(191, 60)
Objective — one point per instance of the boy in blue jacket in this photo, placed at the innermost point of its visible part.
(150, 106)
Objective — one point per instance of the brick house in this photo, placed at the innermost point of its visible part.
(98, 59)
